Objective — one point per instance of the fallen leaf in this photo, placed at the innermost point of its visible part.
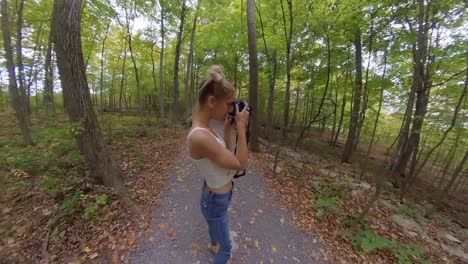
(131, 238)
(257, 244)
(171, 235)
(162, 226)
(273, 248)
(115, 258)
(87, 249)
(195, 246)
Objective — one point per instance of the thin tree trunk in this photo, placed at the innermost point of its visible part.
(272, 63)
(102, 68)
(382, 89)
(253, 75)
(188, 76)
(122, 80)
(162, 100)
(48, 77)
(301, 135)
(19, 60)
(175, 99)
(362, 114)
(349, 147)
(33, 70)
(137, 78)
(16, 101)
(288, 38)
(153, 72)
(454, 177)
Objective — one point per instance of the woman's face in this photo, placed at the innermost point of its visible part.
(222, 107)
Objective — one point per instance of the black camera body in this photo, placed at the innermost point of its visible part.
(241, 105)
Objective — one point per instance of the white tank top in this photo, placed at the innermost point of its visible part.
(215, 175)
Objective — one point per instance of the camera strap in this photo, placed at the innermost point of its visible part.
(247, 137)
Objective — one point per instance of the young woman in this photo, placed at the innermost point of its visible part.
(216, 163)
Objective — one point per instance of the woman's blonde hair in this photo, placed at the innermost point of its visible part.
(214, 84)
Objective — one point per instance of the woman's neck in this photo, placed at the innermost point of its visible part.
(201, 119)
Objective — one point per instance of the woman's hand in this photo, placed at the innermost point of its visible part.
(242, 118)
(228, 127)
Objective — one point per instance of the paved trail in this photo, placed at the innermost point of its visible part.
(260, 226)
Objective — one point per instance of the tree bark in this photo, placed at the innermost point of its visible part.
(48, 77)
(15, 98)
(353, 122)
(101, 81)
(188, 76)
(122, 80)
(70, 62)
(288, 38)
(175, 99)
(153, 72)
(382, 89)
(130, 48)
(253, 75)
(162, 100)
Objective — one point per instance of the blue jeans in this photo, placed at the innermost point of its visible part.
(214, 208)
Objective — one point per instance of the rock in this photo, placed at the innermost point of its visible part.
(328, 173)
(278, 169)
(447, 236)
(456, 250)
(406, 223)
(387, 204)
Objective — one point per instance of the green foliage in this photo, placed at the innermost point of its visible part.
(55, 151)
(329, 196)
(71, 204)
(54, 185)
(323, 205)
(367, 241)
(404, 209)
(90, 210)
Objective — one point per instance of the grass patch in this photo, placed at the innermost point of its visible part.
(367, 241)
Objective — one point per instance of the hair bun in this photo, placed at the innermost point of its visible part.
(216, 73)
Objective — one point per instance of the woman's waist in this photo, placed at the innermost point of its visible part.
(224, 189)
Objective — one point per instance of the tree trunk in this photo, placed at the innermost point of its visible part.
(253, 75)
(33, 69)
(19, 61)
(162, 100)
(454, 177)
(365, 98)
(67, 40)
(15, 98)
(288, 38)
(382, 89)
(175, 99)
(101, 105)
(343, 104)
(188, 76)
(48, 77)
(130, 48)
(122, 80)
(422, 96)
(353, 122)
(272, 63)
(153, 72)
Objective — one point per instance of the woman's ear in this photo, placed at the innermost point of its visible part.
(211, 102)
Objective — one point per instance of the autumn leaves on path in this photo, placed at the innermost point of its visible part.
(260, 226)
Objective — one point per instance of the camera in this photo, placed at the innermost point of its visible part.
(241, 105)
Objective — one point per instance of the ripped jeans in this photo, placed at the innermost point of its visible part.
(214, 208)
